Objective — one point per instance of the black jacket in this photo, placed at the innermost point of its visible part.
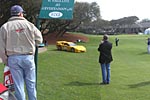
(105, 52)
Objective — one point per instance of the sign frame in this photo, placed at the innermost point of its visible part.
(62, 9)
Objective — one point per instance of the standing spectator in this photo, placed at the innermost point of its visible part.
(148, 45)
(105, 58)
(116, 41)
(45, 43)
(18, 39)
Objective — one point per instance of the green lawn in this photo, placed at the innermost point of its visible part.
(76, 76)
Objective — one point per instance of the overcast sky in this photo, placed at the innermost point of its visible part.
(115, 9)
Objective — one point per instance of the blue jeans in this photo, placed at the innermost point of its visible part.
(105, 72)
(22, 68)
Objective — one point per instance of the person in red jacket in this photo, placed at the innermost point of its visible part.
(105, 58)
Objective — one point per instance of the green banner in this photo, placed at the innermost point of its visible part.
(62, 9)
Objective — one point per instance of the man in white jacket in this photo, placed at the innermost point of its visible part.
(18, 39)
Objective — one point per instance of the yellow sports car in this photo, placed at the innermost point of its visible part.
(70, 46)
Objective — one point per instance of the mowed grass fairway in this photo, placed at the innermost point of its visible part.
(76, 76)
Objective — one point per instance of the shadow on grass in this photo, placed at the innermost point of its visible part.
(139, 84)
(61, 51)
(77, 83)
(54, 50)
(143, 53)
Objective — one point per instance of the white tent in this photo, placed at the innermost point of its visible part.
(147, 31)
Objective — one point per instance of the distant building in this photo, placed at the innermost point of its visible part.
(134, 28)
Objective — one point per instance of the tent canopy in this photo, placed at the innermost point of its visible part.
(147, 31)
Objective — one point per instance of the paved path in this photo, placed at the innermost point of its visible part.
(40, 50)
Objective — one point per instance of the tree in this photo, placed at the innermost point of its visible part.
(84, 14)
(4, 13)
(145, 20)
(125, 25)
(31, 7)
(124, 21)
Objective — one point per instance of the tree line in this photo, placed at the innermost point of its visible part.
(86, 17)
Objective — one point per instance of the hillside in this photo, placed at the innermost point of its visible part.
(51, 38)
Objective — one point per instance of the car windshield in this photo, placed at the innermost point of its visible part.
(72, 44)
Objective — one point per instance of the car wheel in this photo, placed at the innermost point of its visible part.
(72, 50)
(59, 48)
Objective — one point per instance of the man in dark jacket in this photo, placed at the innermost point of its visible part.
(105, 58)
